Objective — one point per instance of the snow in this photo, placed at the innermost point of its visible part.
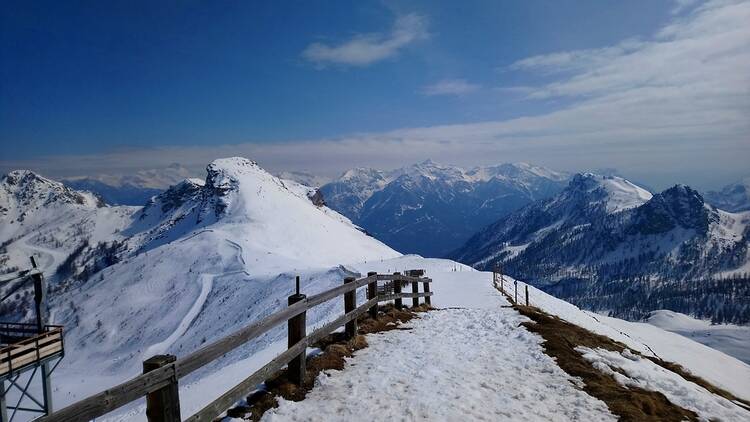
(716, 367)
(643, 373)
(189, 283)
(229, 257)
(493, 351)
(621, 193)
(461, 363)
(710, 364)
(733, 340)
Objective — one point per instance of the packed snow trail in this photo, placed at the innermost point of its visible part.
(471, 361)
(207, 282)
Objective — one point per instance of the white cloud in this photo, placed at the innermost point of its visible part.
(365, 49)
(681, 5)
(450, 87)
(670, 108)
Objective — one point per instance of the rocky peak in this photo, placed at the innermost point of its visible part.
(27, 189)
(678, 206)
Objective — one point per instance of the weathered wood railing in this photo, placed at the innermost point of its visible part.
(159, 382)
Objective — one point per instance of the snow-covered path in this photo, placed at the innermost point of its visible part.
(469, 361)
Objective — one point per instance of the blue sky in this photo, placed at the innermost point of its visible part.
(368, 83)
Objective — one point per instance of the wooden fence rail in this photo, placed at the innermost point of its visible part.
(159, 381)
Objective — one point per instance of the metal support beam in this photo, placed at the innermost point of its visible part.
(40, 302)
(3, 404)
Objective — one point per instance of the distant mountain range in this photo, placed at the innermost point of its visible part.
(431, 209)
(734, 197)
(604, 243)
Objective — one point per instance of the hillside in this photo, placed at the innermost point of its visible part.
(55, 224)
(197, 262)
(605, 244)
(431, 209)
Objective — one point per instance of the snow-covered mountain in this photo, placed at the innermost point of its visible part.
(206, 257)
(603, 236)
(47, 218)
(430, 209)
(198, 261)
(733, 198)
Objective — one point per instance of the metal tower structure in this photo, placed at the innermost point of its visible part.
(32, 350)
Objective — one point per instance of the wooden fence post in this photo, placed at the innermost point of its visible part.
(162, 405)
(415, 290)
(527, 295)
(296, 331)
(515, 284)
(350, 304)
(372, 293)
(397, 291)
(426, 286)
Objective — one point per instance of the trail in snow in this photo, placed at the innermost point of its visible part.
(455, 364)
(207, 281)
(47, 259)
(470, 362)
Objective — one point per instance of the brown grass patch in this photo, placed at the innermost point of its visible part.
(335, 349)
(629, 403)
(592, 340)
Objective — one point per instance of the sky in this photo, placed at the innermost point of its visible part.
(659, 90)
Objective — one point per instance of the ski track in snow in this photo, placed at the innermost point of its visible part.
(47, 259)
(207, 282)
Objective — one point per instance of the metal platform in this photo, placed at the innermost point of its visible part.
(23, 348)
(27, 351)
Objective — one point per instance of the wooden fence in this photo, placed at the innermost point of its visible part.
(159, 382)
(498, 280)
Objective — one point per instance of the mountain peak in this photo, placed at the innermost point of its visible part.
(28, 190)
(678, 206)
(617, 194)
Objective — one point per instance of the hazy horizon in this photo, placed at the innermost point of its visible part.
(658, 90)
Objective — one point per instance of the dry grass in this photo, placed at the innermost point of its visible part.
(583, 337)
(335, 349)
(628, 403)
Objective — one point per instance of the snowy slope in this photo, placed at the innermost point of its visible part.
(733, 340)
(473, 361)
(49, 220)
(716, 367)
(202, 260)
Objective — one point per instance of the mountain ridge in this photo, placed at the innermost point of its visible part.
(589, 252)
(430, 208)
